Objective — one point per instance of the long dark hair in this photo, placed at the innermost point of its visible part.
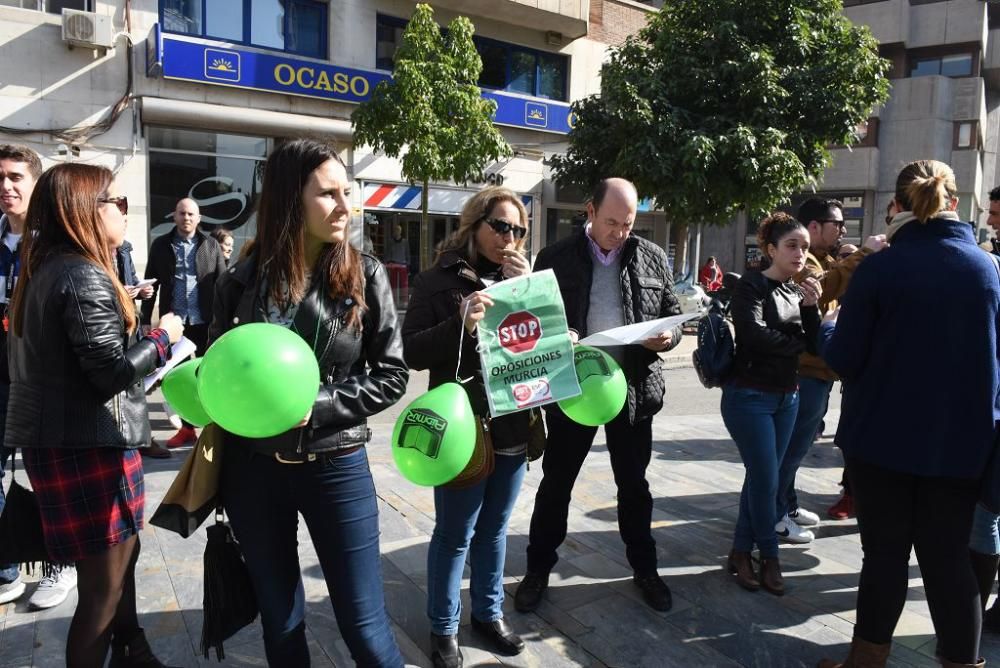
(63, 217)
(772, 230)
(280, 242)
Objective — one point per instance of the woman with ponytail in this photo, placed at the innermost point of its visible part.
(775, 320)
(302, 273)
(916, 346)
(77, 407)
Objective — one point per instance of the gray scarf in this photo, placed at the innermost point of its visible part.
(903, 217)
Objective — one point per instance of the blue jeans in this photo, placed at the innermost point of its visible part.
(336, 497)
(760, 423)
(473, 521)
(985, 535)
(8, 572)
(814, 397)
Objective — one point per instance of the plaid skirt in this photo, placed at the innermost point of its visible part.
(89, 499)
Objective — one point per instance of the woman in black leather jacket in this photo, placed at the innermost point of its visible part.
(303, 273)
(77, 407)
(775, 320)
(445, 305)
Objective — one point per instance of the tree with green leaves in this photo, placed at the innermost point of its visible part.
(432, 112)
(718, 106)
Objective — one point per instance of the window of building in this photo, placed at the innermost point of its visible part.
(49, 6)
(967, 135)
(295, 26)
(506, 67)
(221, 172)
(851, 3)
(954, 65)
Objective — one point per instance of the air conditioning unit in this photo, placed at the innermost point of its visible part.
(87, 29)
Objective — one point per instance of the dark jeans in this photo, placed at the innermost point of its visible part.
(814, 398)
(760, 423)
(897, 512)
(8, 572)
(630, 447)
(473, 522)
(336, 497)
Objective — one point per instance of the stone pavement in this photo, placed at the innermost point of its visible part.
(593, 615)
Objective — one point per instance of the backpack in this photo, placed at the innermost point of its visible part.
(713, 359)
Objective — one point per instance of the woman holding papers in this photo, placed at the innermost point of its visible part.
(302, 273)
(439, 333)
(775, 320)
(77, 407)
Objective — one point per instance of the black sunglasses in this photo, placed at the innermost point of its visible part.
(502, 227)
(121, 202)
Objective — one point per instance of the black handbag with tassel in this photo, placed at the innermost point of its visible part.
(22, 540)
(229, 602)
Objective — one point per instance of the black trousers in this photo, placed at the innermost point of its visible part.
(198, 335)
(897, 512)
(630, 447)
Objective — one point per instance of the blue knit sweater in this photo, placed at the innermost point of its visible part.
(916, 347)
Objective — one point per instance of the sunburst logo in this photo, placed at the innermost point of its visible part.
(535, 114)
(222, 65)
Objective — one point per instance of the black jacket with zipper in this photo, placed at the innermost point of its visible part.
(76, 374)
(361, 373)
(772, 330)
(431, 333)
(209, 263)
(647, 294)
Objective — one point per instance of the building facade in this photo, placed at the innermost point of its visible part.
(185, 98)
(944, 105)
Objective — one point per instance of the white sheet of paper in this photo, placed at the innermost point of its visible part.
(638, 332)
(179, 352)
(143, 283)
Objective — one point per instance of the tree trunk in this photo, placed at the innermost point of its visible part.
(681, 265)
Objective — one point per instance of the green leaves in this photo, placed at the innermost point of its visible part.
(431, 113)
(718, 105)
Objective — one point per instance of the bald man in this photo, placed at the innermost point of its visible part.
(185, 263)
(607, 277)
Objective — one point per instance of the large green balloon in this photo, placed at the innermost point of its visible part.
(258, 380)
(435, 436)
(180, 389)
(603, 385)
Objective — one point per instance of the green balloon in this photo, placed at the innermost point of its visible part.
(180, 389)
(258, 380)
(603, 385)
(435, 436)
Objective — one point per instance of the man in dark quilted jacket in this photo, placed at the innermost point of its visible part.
(608, 277)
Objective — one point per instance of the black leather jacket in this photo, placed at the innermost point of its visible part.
(772, 330)
(75, 380)
(361, 374)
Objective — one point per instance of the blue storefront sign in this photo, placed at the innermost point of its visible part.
(277, 73)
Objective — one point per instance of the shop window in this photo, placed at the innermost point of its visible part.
(561, 223)
(506, 67)
(295, 26)
(221, 172)
(49, 6)
(954, 65)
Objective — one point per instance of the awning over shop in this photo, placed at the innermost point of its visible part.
(182, 113)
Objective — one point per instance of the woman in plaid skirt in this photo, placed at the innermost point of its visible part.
(77, 407)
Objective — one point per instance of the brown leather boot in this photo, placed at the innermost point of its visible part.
(863, 654)
(740, 564)
(770, 576)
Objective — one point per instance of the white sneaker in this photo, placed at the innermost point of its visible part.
(790, 532)
(11, 591)
(803, 517)
(53, 589)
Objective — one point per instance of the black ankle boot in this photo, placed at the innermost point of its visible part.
(445, 652)
(133, 652)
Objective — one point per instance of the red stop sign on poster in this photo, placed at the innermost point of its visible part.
(519, 332)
